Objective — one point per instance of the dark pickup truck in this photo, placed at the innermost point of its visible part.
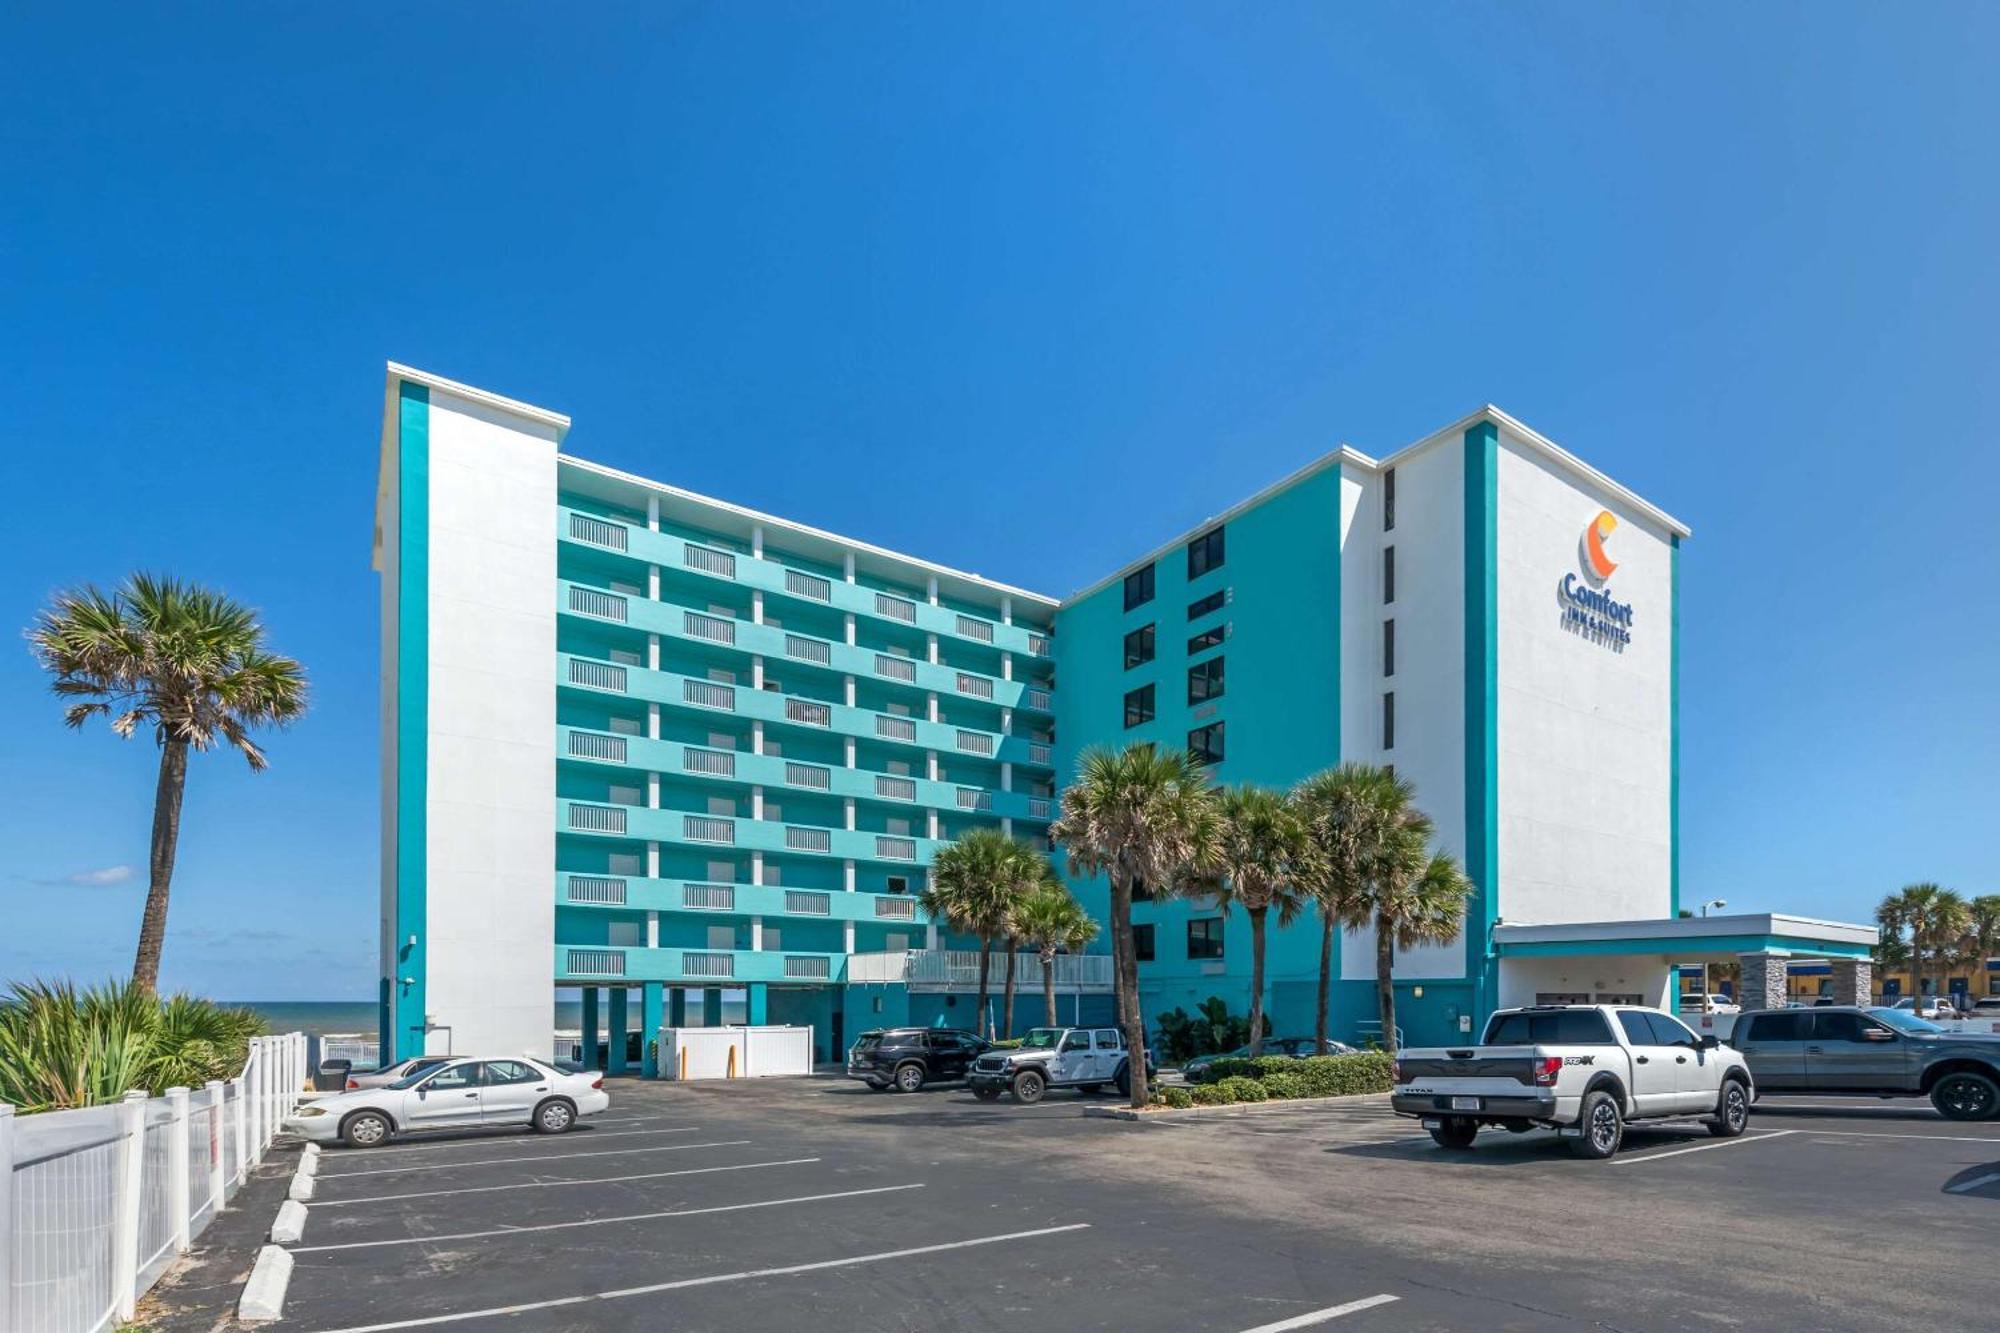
(1871, 1051)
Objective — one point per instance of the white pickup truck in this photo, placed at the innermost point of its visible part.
(1582, 1070)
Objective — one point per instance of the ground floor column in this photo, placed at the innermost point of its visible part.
(1761, 981)
(711, 1008)
(651, 1002)
(614, 1056)
(760, 1004)
(1853, 981)
(677, 1007)
(589, 1052)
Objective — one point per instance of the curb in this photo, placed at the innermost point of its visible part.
(302, 1183)
(1227, 1109)
(263, 1296)
(291, 1223)
(308, 1164)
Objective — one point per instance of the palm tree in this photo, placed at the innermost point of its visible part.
(1892, 950)
(183, 662)
(1347, 812)
(1935, 917)
(1051, 921)
(971, 889)
(1137, 815)
(1260, 859)
(1418, 897)
(1983, 934)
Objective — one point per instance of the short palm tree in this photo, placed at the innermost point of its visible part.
(1051, 921)
(1417, 897)
(186, 665)
(1348, 813)
(1935, 918)
(1140, 815)
(973, 886)
(1260, 859)
(1983, 932)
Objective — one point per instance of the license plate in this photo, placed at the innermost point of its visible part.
(1432, 1123)
(1465, 1103)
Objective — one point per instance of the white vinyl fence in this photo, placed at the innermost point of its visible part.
(96, 1204)
(736, 1052)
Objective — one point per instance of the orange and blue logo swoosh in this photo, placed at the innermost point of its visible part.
(1600, 565)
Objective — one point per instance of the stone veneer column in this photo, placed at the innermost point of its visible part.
(1762, 984)
(1853, 981)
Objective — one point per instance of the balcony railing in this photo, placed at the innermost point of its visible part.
(708, 964)
(713, 628)
(1038, 644)
(808, 585)
(895, 789)
(1038, 754)
(808, 775)
(895, 849)
(979, 687)
(597, 745)
(971, 798)
(975, 742)
(591, 602)
(809, 967)
(808, 839)
(806, 902)
(597, 818)
(1038, 807)
(807, 713)
(717, 763)
(708, 694)
(896, 608)
(603, 889)
(1035, 699)
(597, 675)
(958, 970)
(709, 560)
(597, 962)
(975, 629)
(611, 536)
(895, 908)
(895, 668)
(896, 728)
(709, 897)
(808, 650)
(706, 828)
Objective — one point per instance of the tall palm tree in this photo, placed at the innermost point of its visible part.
(1418, 897)
(1892, 949)
(1260, 859)
(1935, 917)
(183, 663)
(1052, 921)
(971, 888)
(1025, 870)
(1137, 815)
(1983, 935)
(1348, 813)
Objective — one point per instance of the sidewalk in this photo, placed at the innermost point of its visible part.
(199, 1293)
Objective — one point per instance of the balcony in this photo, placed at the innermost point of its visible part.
(708, 560)
(957, 970)
(598, 605)
(579, 962)
(597, 532)
(648, 824)
(637, 893)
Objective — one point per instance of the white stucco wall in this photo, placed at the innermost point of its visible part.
(491, 742)
(1585, 731)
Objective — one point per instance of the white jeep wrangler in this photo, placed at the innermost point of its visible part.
(1083, 1058)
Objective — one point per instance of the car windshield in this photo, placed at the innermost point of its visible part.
(1904, 1021)
(1041, 1039)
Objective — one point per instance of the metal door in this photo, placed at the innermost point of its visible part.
(1773, 1043)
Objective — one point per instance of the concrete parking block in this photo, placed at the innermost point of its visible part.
(291, 1223)
(263, 1296)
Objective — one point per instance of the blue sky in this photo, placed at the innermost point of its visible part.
(1147, 257)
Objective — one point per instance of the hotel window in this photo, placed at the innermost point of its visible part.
(1138, 587)
(1388, 575)
(1209, 638)
(897, 884)
(1205, 938)
(1212, 602)
(1139, 647)
(1389, 500)
(1140, 893)
(1139, 706)
(1142, 943)
(1205, 680)
(1389, 647)
(1388, 719)
(1205, 743)
(1205, 553)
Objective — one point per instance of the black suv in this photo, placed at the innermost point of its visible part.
(907, 1058)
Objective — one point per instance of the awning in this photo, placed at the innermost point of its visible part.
(1692, 939)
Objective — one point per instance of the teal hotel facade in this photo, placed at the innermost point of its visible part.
(692, 760)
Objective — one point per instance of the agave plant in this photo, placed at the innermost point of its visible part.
(62, 1048)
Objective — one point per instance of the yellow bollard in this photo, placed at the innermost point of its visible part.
(732, 1062)
(684, 1064)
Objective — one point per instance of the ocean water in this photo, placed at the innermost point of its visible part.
(326, 1017)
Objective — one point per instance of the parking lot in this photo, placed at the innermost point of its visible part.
(816, 1203)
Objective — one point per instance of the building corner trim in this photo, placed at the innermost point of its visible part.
(1674, 725)
(412, 717)
(1482, 712)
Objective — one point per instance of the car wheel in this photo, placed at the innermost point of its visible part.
(1029, 1085)
(1732, 1110)
(1456, 1133)
(1124, 1080)
(365, 1129)
(909, 1078)
(987, 1094)
(554, 1116)
(1966, 1096)
(1602, 1125)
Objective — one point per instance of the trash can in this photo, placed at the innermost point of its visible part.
(331, 1076)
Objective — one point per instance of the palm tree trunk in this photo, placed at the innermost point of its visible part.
(166, 838)
(1119, 945)
(1256, 982)
(981, 1024)
(1130, 1018)
(1327, 928)
(1007, 1005)
(1385, 979)
(1049, 983)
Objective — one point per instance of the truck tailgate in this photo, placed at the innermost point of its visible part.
(1511, 1064)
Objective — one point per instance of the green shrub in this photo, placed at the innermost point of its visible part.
(1208, 1094)
(1177, 1098)
(1240, 1090)
(1286, 1085)
(61, 1047)
(1344, 1075)
(1009, 1044)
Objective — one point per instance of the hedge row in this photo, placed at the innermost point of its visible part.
(1277, 1077)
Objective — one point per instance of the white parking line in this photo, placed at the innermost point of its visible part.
(1973, 1184)
(1719, 1143)
(789, 1270)
(600, 1222)
(481, 1140)
(539, 1157)
(1322, 1316)
(549, 1184)
(1871, 1134)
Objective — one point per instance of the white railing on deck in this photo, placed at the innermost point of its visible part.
(808, 650)
(591, 602)
(721, 763)
(896, 668)
(708, 560)
(713, 628)
(708, 694)
(896, 608)
(597, 675)
(975, 629)
(808, 585)
(96, 1204)
(958, 969)
(611, 536)
(808, 775)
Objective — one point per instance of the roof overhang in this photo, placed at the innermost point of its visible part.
(1689, 939)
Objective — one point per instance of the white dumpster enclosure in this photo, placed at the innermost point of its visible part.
(736, 1052)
